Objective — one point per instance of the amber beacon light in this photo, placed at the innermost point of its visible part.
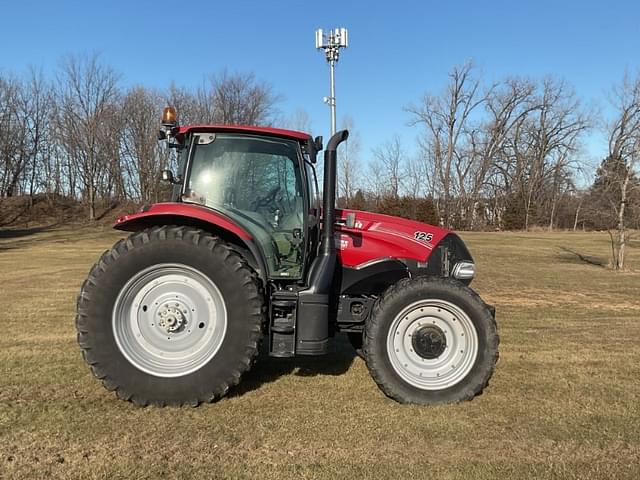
(169, 117)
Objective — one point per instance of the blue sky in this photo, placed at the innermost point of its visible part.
(398, 50)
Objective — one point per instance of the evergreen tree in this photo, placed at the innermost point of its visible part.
(605, 193)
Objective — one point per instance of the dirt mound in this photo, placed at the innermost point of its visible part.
(51, 209)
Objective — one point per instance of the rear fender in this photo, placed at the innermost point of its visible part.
(174, 213)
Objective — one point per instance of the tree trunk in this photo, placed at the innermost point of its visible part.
(621, 245)
(553, 213)
(619, 265)
(575, 219)
(92, 202)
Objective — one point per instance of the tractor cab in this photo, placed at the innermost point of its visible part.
(261, 182)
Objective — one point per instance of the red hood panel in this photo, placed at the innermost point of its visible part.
(376, 236)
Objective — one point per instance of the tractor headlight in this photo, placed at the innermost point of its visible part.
(464, 271)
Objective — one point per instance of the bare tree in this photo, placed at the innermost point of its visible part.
(38, 104)
(390, 159)
(416, 177)
(375, 181)
(88, 96)
(12, 135)
(300, 121)
(532, 162)
(549, 137)
(624, 152)
(25, 109)
(507, 105)
(225, 98)
(240, 99)
(445, 120)
(142, 157)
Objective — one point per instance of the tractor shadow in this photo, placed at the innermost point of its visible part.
(269, 369)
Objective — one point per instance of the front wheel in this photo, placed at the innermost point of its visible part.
(431, 340)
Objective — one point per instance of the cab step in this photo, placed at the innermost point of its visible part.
(282, 326)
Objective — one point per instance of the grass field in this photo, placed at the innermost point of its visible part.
(564, 401)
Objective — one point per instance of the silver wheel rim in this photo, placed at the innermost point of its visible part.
(449, 367)
(169, 320)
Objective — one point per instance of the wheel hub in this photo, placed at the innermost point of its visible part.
(429, 341)
(172, 317)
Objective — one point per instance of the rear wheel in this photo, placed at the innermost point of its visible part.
(431, 340)
(171, 315)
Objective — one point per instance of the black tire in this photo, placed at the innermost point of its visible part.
(240, 291)
(355, 339)
(390, 308)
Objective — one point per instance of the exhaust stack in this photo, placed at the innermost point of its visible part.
(314, 302)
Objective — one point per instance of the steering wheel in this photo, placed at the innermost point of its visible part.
(266, 200)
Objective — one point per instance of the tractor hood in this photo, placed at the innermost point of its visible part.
(375, 236)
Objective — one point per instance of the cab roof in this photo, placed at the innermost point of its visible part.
(274, 132)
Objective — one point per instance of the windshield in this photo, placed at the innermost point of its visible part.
(257, 182)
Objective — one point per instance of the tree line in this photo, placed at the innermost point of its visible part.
(84, 136)
(501, 155)
(507, 155)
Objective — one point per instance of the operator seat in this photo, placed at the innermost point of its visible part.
(295, 218)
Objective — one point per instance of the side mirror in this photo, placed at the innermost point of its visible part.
(318, 143)
(167, 176)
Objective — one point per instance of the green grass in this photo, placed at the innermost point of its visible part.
(564, 401)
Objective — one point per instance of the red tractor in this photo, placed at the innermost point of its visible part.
(247, 251)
